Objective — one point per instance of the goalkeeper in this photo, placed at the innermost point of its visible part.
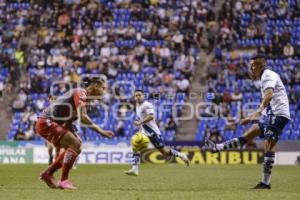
(148, 132)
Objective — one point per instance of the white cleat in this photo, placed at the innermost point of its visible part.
(211, 146)
(131, 172)
(184, 157)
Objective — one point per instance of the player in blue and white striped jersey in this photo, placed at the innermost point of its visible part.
(276, 114)
(145, 113)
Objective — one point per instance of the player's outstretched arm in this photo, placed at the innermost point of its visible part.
(268, 94)
(85, 119)
(148, 118)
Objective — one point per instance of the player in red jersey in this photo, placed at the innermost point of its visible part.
(50, 146)
(55, 125)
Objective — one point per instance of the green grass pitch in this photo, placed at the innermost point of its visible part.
(170, 181)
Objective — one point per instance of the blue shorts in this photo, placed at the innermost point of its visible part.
(156, 140)
(271, 127)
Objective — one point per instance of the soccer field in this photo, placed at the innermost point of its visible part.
(224, 182)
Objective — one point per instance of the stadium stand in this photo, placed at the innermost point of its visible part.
(146, 43)
(266, 27)
(154, 44)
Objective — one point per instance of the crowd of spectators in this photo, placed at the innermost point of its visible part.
(95, 35)
(11, 40)
(62, 39)
(276, 25)
(154, 43)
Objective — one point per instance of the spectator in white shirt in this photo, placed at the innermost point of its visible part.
(40, 103)
(178, 41)
(105, 51)
(288, 50)
(165, 52)
(183, 85)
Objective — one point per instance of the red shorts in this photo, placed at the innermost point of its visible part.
(50, 130)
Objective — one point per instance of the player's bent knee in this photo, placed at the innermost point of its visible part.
(70, 141)
(270, 145)
(76, 146)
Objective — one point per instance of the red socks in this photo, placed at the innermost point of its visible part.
(57, 164)
(69, 159)
(65, 160)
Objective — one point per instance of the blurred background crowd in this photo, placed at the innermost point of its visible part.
(161, 46)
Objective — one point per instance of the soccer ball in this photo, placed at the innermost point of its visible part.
(139, 142)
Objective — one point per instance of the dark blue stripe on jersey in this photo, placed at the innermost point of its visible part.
(269, 110)
(148, 129)
(269, 88)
